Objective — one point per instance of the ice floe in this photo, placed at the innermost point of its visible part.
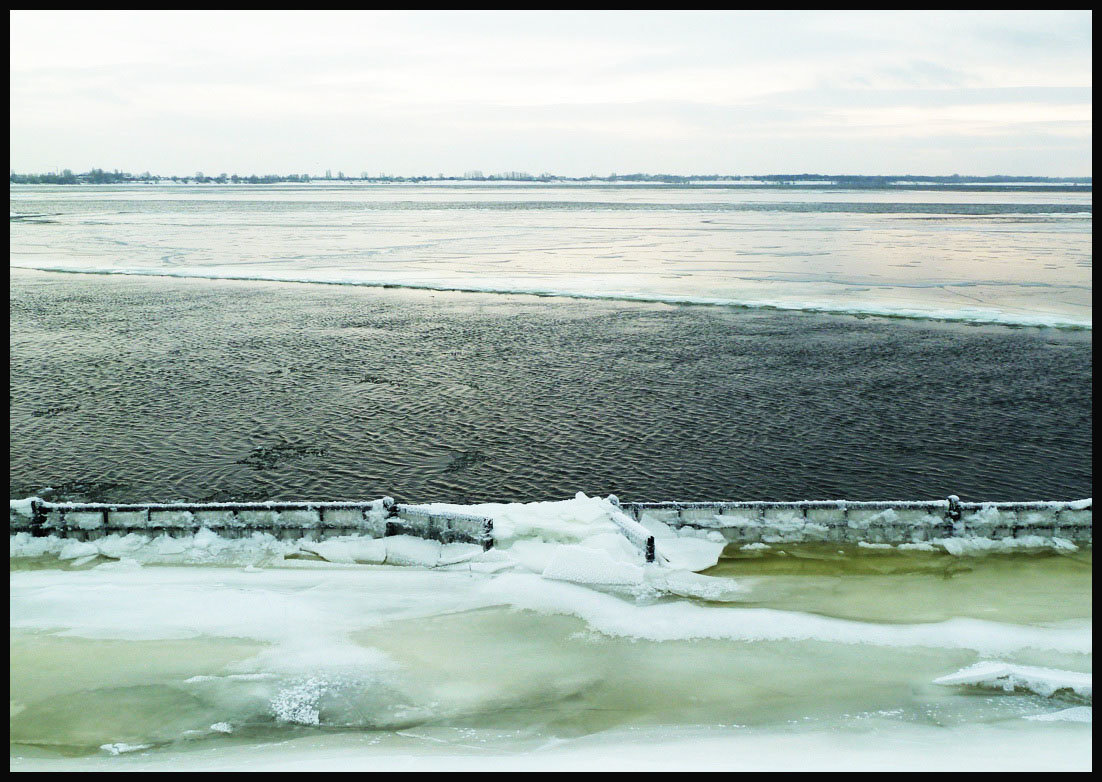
(1008, 677)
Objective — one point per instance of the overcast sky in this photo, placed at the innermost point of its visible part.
(569, 93)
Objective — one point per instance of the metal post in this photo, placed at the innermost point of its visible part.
(38, 519)
(391, 513)
(954, 514)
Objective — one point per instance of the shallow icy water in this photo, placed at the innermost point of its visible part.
(373, 667)
(912, 586)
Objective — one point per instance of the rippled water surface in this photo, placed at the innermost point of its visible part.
(155, 389)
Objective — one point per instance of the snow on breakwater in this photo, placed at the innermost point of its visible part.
(586, 539)
(376, 518)
(684, 536)
(955, 526)
(959, 528)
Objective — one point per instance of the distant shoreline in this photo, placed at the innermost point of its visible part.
(780, 181)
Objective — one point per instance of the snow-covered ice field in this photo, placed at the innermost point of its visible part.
(988, 256)
(558, 648)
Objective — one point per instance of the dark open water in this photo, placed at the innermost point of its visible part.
(159, 389)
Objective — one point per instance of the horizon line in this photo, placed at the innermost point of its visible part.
(475, 175)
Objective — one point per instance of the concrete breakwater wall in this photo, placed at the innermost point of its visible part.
(836, 521)
(285, 520)
(891, 522)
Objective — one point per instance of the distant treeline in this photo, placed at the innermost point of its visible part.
(97, 176)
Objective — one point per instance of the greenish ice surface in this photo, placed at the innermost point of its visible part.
(892, 585)
(363, 667)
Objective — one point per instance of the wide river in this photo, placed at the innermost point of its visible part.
(343, 341)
